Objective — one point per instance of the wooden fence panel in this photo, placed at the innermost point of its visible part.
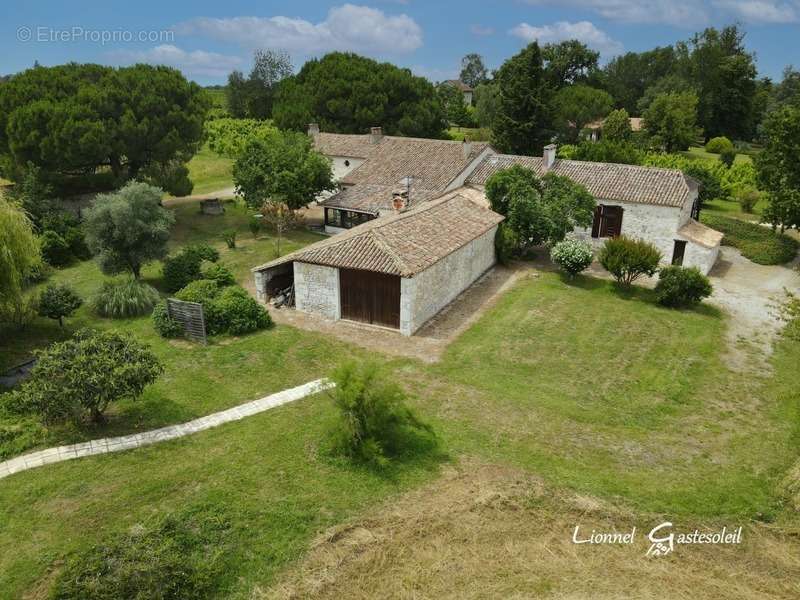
(191, 316)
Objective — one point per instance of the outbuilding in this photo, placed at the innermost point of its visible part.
(395, 271)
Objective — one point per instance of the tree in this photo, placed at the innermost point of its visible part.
(347, 93)
(254, 97)
(681, 286)
(569, 62)
(19, 251)
(627, 259)
(229, 137)
(236, 95)
(724, 73)
(665, 85)
(522, 125)
(671, 120)
(282, 219)
(539, 210)
(617, 126)
(626, 77)
(608, 151)
(283, 166)
(129, 228)
(778, 167)
(576, 106)
(453, 101)
(84, 375)
(473, 71)
(58, 301)
(486, 104)
(73, 119)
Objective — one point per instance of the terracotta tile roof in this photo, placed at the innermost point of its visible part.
(432, 163)
(373, 198)
(458, 84)
(605, 181)
(343, 144)
(698, 233)
(401, 244)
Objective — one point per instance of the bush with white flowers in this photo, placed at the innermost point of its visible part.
(572, 256)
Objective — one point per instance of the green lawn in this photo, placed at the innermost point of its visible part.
(594, 390)
(476, 134)
(700, 152)
(210, 172)
(731, 208)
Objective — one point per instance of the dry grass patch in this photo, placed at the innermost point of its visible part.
(485, 531)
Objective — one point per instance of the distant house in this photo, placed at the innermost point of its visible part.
(594, 130)
(395, 271)
(466, 90)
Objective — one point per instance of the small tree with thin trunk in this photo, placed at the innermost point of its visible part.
(58, 301)
(281, 218)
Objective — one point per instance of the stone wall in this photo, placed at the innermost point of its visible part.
(316, 290)
(425, 294)
(701, 257)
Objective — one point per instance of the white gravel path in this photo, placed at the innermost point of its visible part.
(137, 440)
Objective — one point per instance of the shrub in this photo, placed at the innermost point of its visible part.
(124, 298)
(748, 198)
(77, 243)
(718, 145)
(55, 250)
(38, 272)
(572, 256)
(255, 226)
(179, 557)
(790, 313)
(374, 423)
(237, 312)
(727, 158)
(680, 286)
(84, 375)
(627, 259)
(200, 291)
(505, 243)
(756, 243)
(229, 238)
(184, 267)
(58, 301)
(219, 273)
(165, 326)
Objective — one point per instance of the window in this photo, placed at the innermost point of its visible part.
(346, 163)
(345, 219)
(607, 221)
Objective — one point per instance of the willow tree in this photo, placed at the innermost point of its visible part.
(19, 250)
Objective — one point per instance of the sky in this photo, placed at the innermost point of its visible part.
(207, 40)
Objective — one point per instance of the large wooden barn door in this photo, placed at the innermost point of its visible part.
(370, 297)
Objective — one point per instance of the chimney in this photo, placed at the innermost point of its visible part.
(399, 200)
(376, 134)
(466, 147)
(313, 129)
(549, 156)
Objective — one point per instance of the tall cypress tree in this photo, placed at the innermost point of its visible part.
(523, 123)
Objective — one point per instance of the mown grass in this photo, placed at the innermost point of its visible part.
(594, 390)
(700, 153)
(731, 208)
(755, 242)
(210, 172)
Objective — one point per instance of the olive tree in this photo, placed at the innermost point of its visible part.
(129, 228)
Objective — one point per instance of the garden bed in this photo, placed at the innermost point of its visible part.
(756, 242)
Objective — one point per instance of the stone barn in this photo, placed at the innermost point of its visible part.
(395, 271)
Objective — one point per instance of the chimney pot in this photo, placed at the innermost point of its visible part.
(313, 129)
(376, 134)
(549, 156)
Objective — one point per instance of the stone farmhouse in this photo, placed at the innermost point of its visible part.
(411, 227)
